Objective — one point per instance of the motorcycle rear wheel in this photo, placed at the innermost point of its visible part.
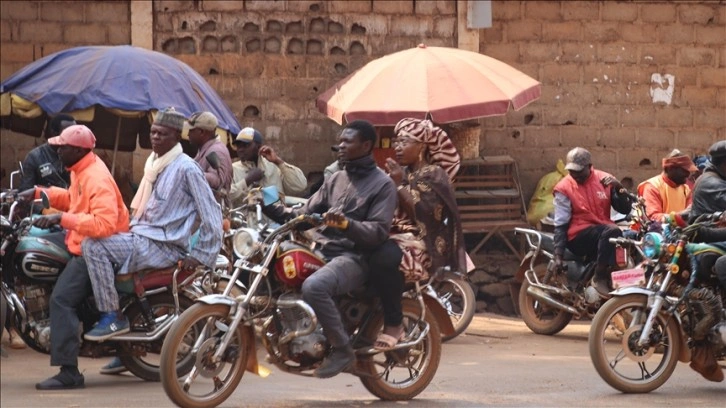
(419, 362)
(539, 317)
(209, 384)
(459, 300)
(162, 306)
(615, 355)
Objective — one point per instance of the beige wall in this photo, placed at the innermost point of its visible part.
(270, 59)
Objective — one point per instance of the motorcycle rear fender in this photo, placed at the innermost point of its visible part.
(440, 314)
(524, 265)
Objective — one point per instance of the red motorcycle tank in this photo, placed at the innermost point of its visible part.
(295, 262)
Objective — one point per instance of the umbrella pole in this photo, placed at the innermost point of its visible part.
(115, 146)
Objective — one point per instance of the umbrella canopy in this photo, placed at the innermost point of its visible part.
(114, 90)
(443, 84)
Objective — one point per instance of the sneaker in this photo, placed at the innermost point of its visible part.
(65, 380)
(339, 359)
(115, 366)
(108, 326)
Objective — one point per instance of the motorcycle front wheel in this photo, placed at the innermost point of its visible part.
(400, 375)
(459, 300)
(145, 363)
(209, 382)
(618, 359)
(538, 316)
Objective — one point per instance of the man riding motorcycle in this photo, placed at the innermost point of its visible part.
(582, 202)
(93, 207)
(358, 204)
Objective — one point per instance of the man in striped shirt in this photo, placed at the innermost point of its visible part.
(173, 201)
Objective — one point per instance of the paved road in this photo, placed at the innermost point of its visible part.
(497, 363)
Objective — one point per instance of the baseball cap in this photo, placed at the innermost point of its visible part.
(700, 161)
(577, 159)
(75, 135)
(203, 120)
(717, 150)
(248, 135)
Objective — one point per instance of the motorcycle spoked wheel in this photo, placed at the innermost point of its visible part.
(459, 300)
(615, 355)
(401, 375)
(207, 384)
(146, 366)
(539, 317)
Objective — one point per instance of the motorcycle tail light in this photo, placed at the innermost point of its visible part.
(621, 256)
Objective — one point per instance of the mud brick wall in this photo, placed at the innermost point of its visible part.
(628, 80)
(605, 67)
(30, 30)
(269, 60)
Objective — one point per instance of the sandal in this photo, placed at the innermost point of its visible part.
(386, 342)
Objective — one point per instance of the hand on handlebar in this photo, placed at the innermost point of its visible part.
(335, 218)
(47, 221)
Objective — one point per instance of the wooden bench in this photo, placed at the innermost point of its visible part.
(490, 200)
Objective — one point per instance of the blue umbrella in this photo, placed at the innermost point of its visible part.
(114, 90)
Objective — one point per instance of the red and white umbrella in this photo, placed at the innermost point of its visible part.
(442, 84)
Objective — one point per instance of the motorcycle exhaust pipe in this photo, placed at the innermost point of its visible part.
(546, 299)
(156, 334)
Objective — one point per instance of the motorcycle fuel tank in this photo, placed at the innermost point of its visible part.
(39, 259)
(295, 263)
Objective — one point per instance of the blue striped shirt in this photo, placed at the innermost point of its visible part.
(180, 202)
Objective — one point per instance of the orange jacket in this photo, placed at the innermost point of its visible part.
(590, 202)
(662, 196)
(92, 206)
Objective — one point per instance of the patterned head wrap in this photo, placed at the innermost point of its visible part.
(441, 150)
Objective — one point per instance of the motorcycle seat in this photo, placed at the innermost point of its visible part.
(146, 279)
(548, 244)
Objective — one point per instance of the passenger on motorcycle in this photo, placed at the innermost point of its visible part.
(42, 166)
(358, 204)
(426, 224)
(582, 202)
(92, 207)
(173, 199)
(202, 126)
(709, 193)
(259, 163)
(668, 191)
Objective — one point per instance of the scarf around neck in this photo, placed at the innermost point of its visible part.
(360, 166)
(155, 164)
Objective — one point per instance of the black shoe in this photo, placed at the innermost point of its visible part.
(602, 288)
(339, 359)
(65, 380)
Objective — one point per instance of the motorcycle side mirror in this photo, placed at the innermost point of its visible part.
(213, 160)
(270, 195)
(45, 200)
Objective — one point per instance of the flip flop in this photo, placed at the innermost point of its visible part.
(389, 341)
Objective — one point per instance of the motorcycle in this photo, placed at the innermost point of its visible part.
(222, 327)
(32, 260)
(550, 298)
(638, 336)
(451, 288)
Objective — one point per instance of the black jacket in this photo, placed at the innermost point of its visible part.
(42, 167)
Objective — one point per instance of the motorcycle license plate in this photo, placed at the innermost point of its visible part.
(628, 277)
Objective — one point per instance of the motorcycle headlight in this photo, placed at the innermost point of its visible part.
(652, 244)
(245, 242)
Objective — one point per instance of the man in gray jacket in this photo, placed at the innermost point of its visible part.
(357, 204)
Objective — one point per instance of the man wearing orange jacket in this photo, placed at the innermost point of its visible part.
(91, 207)
(668, 191)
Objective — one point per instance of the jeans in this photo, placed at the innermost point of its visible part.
(341, 275)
